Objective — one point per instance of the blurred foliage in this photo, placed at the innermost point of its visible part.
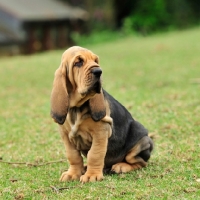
(152, 15)
(139, 16)
(148, 16)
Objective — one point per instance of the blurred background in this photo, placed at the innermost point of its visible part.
(30, 26)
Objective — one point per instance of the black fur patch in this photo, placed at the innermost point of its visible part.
(97, 116)
(145, 155)
(59, 119)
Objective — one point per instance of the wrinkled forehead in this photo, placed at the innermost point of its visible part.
(76, 51)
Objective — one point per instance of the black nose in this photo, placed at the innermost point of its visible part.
(97, 72)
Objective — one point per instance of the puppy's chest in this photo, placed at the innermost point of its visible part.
(78, 125)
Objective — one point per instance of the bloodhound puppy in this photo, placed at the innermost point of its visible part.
(92, 123)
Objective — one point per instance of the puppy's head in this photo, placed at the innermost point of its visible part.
(77, 80)
(83, 70)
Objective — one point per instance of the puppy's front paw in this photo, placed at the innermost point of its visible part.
(91, 177)
(70, 175)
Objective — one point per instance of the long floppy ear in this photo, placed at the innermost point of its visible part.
(97, 106)
(59, 95)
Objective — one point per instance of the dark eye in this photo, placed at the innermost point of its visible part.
(79, 63)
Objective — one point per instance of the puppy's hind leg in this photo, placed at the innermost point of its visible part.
(137, 157)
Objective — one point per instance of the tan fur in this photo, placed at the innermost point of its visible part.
(59, 95)
(86, 135)
(70, 89)
(83, 115)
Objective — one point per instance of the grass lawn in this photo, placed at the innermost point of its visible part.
(157, 78)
